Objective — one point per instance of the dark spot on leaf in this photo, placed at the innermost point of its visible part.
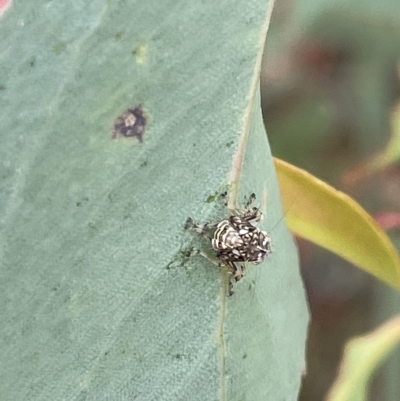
(2, 87)
(92, 228)
(123, 351)
(178, 356)
(32, 61)
(223, 194)
(244, 356)
(131, 123)
(118, 35)
(80, 203)
(144, 164)
(185, 253)
(229, 144)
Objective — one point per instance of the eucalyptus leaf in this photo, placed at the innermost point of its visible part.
(362, 356)
(330, 218)
(120, 119)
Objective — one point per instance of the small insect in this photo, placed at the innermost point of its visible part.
(236, 240)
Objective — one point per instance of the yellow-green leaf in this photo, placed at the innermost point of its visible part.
(362, 356)
(333, 220)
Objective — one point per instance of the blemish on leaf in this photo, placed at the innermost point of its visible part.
(217, 195)
(140, 53)
(229, 144)
(118, 35)
(92, 228)
(81, 202)
(210, 198)
(144, 164)
(131, 123)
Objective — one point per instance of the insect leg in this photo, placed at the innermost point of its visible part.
(251, 213)
(196, 251)
(210, 259)
(249, 201)
(202, 229)
(237, 274)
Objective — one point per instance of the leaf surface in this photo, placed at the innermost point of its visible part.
(98, 298)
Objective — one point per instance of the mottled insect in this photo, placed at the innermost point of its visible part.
(236, 240)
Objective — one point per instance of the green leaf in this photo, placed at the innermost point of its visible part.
(98, 298)
(333, 220)
(361, 358)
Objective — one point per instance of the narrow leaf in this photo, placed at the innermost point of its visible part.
(361, 358)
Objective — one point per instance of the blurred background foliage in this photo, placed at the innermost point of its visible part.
(330, 96)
